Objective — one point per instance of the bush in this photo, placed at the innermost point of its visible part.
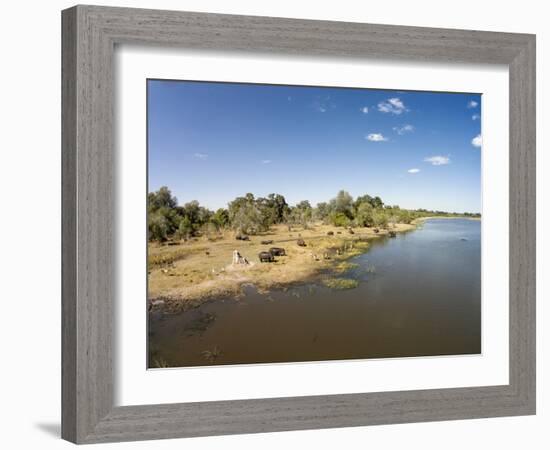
(339, 220)
(380, 219)
(159, 227)
(185, 229)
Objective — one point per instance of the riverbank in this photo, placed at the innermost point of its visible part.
(185, 274)
(423, 219)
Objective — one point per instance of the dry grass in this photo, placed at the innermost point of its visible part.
(190, 272)
(165, 255)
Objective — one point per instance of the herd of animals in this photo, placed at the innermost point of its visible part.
(269, 255)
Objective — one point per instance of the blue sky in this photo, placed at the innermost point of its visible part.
(212, 142)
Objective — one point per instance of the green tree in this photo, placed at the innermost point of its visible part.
(339, 219)
(192, 210)
(278, 206)
(185, 228)
(221, 218)
(380, 219)
(364, 215)
(161, 199)
(303, 212)
(321, 211)
(245, 215)
(405, 216)
(362, 199)
(377, 202)
(158, 227)
(343, 204)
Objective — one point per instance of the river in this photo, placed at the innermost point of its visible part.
(419, 294)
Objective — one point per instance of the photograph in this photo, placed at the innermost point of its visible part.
(275, 225)
(290, 224)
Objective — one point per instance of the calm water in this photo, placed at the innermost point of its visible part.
(419, 294)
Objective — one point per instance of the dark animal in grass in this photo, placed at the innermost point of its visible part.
(267, 242)
(351, 231)
(392, 234)
(338, 232)
(266, 257)
(242, 237)
(301, 242)
(376, 230)
(330, 233)
(277, 251)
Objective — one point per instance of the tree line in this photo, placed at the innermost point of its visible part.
(251, 215)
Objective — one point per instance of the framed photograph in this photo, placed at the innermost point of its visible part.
(278, 224)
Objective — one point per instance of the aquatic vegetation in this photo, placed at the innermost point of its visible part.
(160, 363)
(340, 283)
(344, 266)
(211, 355)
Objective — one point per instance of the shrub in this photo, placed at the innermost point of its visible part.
(339, 220)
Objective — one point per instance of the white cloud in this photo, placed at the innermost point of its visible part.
(476, 117)
(376, 137)
(404, 129)
(477, 141)
(413, 170)
(438, 160)
(266, 161)
(392, 105)
(200, 155)
(472, 104)
(365, 109)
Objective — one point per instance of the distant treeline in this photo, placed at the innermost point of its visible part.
(250, 215)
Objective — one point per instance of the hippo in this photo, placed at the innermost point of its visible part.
(376, 230)
(301, 242)
(266, 257)
(242, 237)
(270, 241)
(330, 233)
(277, 251)
(392, 234)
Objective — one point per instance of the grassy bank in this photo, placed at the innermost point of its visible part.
(184, 274)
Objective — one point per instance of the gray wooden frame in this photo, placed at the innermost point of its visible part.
(89, 36)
